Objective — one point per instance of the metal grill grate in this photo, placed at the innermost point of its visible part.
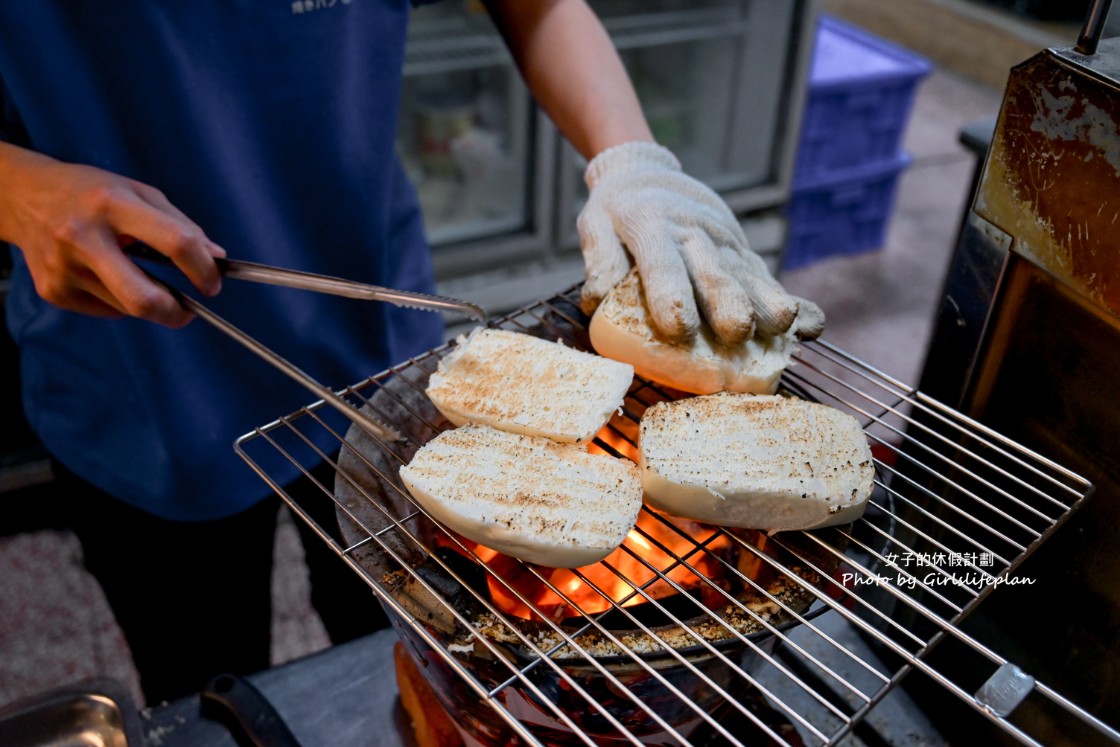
(956, 509)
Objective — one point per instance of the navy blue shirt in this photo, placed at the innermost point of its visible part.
(271, 123)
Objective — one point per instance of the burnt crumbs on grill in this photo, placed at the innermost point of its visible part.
(711, 626)
(784, 597)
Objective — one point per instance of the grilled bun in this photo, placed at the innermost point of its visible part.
(621, 330)
(763, 462)
(524, 384)
(529, 497)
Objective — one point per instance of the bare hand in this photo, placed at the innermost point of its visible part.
(70, 222)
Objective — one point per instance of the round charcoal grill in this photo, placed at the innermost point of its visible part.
(789, 638)
(673, 653)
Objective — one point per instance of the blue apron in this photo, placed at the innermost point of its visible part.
(271, 123)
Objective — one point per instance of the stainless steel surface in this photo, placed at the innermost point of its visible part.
(1095, 18)
(1005, 690)
(1028, 341)
(1052, 167)
(95, 713)
(987, 504)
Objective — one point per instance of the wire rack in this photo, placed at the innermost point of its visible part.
(741, 637)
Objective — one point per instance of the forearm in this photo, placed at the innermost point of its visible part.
(570, 65)
(16, 168)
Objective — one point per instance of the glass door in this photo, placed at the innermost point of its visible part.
(467, 133)
(720, 82)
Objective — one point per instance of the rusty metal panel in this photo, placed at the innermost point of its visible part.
(1052, 177)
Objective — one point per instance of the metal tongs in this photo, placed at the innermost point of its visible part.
(269, 275)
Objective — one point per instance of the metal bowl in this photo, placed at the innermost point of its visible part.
(92, 712)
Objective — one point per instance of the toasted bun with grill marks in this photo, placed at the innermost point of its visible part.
(764, 462)
(621, 330)
(524, 384)
(533, 498)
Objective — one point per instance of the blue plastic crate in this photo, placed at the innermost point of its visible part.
(842, 213)
(861, 90)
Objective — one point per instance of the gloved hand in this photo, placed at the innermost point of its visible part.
(689, 248)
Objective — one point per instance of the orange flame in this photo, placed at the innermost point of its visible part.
(639, 563)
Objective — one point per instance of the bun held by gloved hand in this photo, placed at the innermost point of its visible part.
(688, 248)
(621, 329)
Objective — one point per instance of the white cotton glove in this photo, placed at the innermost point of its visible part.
(689, 248)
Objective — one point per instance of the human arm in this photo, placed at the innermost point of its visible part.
(69, 222)
(569, 63)
(688, 246)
